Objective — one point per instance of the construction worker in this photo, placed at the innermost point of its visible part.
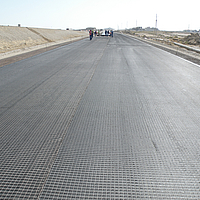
(90, 34)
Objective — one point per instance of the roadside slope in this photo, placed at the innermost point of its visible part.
(14, 38)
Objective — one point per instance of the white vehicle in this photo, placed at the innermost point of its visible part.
(106, 33)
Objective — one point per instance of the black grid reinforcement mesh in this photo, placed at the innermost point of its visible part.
(129, 138)
(111, 118)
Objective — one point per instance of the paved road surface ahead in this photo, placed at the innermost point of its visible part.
(111, 118)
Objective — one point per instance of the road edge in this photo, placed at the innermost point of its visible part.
(178, 51)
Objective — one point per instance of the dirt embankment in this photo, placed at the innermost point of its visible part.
(13, 38)
(192, 39)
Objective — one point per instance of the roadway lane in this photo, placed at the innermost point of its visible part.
(111, 118)
(39, 97)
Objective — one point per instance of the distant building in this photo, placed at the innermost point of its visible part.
(109, 28)
(151, 29)
(139, 28)
(191, 31)
(90, 28)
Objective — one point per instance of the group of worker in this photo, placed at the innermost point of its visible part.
(107, 33)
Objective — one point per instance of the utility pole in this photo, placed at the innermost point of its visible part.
(156, 24)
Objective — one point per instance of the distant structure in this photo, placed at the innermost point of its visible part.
(151, 29)
(109, 28)
(137, 29)
(191, 31)
(156, 22)
(90, 28)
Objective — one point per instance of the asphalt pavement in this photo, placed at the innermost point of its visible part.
(111, 118)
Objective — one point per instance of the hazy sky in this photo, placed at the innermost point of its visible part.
(62, 14)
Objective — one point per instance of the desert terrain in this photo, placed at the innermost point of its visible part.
(191, 39)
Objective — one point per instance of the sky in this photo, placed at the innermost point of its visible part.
(172, 15)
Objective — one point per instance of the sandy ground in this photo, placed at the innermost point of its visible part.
(164, 37)
(17, 40)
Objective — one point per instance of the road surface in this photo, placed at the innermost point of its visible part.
(111, 118)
